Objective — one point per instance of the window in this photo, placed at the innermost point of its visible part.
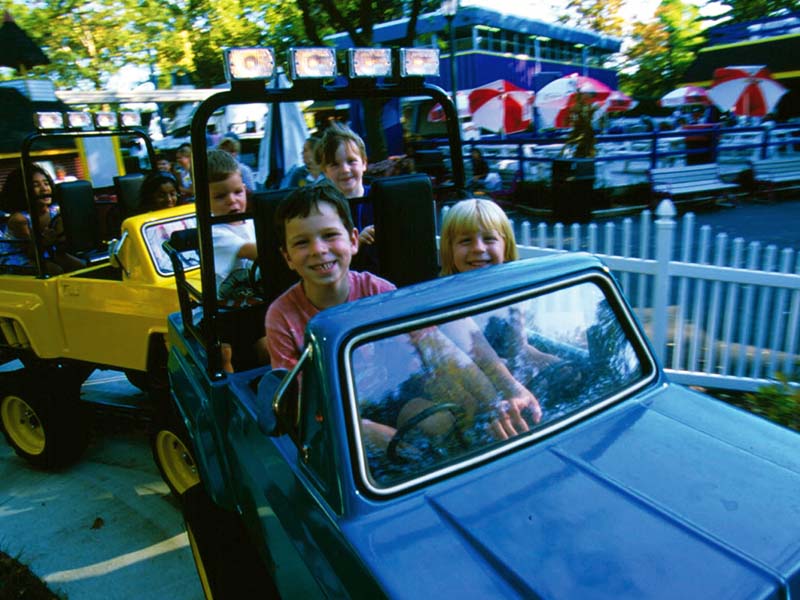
(427, 399)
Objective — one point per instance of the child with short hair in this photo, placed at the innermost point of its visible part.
(318, 240)
(182, 169)
(342, 156)
(234, 242)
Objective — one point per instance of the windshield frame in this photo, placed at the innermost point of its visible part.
(640, 346)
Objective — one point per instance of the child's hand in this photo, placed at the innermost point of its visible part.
(509, 420)
(367, 235)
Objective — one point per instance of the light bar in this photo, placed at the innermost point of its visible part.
(418, 62)
(312, 63)
(105, 120)
(370, 62)
(249, 64)
(78, 120)
(48, 120)
(130, 118)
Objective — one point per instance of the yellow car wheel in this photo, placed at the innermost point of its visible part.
(175, 460)
(22, 425)
(42, 417)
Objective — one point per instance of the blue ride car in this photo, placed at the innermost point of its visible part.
(628, 486)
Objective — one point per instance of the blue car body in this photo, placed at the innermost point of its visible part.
(645, 490)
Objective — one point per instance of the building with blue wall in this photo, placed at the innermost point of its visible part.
(491, 45)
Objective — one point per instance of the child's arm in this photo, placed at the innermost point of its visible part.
(248, 250)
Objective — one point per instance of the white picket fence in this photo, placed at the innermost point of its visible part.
(719, 314)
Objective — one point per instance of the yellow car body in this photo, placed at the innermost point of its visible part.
(107, 313)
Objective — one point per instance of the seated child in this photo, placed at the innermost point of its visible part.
(159, 190)
(342, 156)
(318, 240)
(234, 242)
(18, 249)
(308, 172)
(476, 233)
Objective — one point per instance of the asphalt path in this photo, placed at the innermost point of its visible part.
(104, 528)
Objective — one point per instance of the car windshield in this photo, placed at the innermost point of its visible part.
(157, 232)
(430, 399)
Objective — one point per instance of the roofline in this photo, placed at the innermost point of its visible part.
(112, 97)
(472, 15)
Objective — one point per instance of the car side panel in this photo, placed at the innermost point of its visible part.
(110, 322)
(31, 305)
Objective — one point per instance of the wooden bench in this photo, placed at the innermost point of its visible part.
(772, 175)
(690, 184)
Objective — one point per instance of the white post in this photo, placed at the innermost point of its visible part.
(665, 232)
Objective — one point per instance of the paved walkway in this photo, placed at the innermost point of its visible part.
(104, 528)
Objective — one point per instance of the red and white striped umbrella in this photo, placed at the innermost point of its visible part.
(618, 101)
(686, 95)
(747, 91)
(501, 106)
(556, 99)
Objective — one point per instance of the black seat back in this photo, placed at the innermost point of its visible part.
(276, 276)
(78, 210)
(127, 188)
(405, 228)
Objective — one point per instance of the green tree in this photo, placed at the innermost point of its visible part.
(602, 16)
(662, 50)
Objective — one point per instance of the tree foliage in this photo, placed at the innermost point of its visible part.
(602, 16)
(662, 50)
(87, 42)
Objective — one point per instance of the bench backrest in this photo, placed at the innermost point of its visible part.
(78, 210)
(782, 165)
(685, 174)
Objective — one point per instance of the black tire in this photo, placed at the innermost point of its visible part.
(172, 450)
(42, 417)
(155, 379)
(228, 564)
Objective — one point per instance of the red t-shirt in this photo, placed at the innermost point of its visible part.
(288, 316)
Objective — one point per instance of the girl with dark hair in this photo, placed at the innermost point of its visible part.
(159, 190)
(15, 239)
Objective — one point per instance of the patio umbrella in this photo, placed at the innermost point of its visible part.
(501, 106)
(285, 132)
(747, 91)
(555, 100)
(686, 95)
(17, 50)
(618, 101)
(436, 113)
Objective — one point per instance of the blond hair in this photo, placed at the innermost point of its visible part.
(221, 165)
(468, 217)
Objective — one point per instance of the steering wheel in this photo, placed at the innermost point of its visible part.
(455, 431)
(564, 378)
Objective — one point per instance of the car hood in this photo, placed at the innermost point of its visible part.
(674, 496)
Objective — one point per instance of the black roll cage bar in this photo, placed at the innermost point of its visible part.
(27, 163)
(252, 92)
